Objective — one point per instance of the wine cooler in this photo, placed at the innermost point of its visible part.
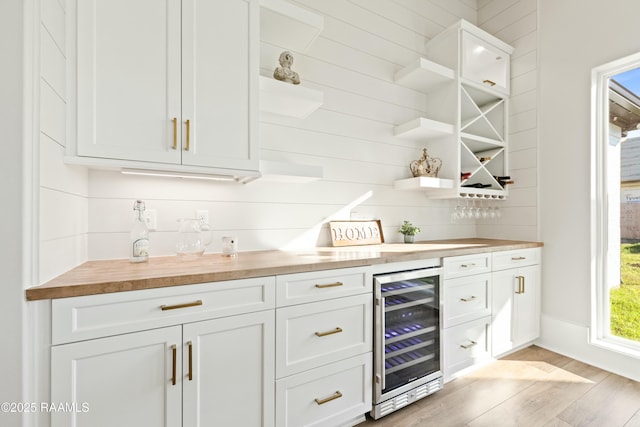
(407, 353)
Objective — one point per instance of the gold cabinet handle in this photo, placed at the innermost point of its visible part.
(473, 344)
(174, 351)
(175, 133)
(489, 82)
(471, 298)
(467, 265)
(329, 285)
(190, 374)
(188, 143)
(331, 332)
(185, 305)
(334, 396)
(520, 285)
(518, 258)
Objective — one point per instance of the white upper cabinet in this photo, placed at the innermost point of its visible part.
(220, 83)
(168, 85)
(128, 80)
(479, 58)
(484, 63)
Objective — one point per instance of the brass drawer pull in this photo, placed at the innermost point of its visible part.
(467, 265)
(520, 285)
(334, 396)
(473, 344)
(175, 133)
(471, 298)
(173, 366)
(329, 285)
(190, 344)
(331, 332)
(188, 143)
(489, 82)
(185, 305)
(518, 258)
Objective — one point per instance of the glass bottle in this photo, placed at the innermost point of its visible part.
(139, 237)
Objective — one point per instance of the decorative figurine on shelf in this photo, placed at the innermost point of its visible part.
(425, 165)
(284, 73)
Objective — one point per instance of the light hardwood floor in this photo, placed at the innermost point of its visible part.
(532, 387)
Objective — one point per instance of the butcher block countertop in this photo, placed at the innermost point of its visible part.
(100, 277)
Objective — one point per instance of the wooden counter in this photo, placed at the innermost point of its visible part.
(99, 277)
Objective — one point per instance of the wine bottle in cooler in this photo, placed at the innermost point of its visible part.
(139, 237)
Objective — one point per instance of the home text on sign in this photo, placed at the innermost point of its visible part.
(352, 233)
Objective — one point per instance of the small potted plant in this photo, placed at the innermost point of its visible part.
(409, 230)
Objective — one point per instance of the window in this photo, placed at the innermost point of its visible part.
(615, 117)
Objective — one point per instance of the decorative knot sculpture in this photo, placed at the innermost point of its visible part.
(284, 72)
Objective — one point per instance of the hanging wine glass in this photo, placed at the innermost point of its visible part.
(485, 211)
(476, 211)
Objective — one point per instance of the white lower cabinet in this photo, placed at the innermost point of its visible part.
(196, 372)
(331, 395)
(124, 380)
(231, 365)
(465, 345)
(466, 312)
(516, 302)
(318, 333)
(324, 347)
(490, 305)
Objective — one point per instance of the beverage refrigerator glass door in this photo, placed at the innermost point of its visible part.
(407, 338)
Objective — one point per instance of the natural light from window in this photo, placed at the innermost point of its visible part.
(615, 216)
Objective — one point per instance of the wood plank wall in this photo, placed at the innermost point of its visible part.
(515, 22)
(353, 61)
(63, 190)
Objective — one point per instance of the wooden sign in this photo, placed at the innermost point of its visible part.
(353, 233)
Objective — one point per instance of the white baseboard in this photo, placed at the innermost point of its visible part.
(572, 340)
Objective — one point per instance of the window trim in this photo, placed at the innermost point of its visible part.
(599, 333)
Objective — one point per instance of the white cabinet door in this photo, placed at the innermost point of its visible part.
(232, 371)
(128, 79)
(484, 63)
(515, 307)
(181, 91)
(220, 82)
(124, 381)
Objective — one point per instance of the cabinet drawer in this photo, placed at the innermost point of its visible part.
(466, 265)
(311, 335)
(81, 318)
(327, 396)
(321, 285)
(466, 298)
(465, 345)
(516, 258)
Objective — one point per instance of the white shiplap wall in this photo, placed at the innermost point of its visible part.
(63, 190)
(515, 22)
(351, 136)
